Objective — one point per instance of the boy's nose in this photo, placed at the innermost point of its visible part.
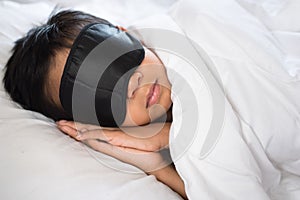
(134, 83)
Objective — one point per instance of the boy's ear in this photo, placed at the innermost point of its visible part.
(122, 28)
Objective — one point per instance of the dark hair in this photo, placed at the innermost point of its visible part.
(28, 68)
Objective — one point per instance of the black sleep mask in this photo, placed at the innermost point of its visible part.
(95, 79)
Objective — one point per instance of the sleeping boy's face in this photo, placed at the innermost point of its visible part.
(148, 92)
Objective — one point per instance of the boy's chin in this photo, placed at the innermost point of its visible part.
(157, 113)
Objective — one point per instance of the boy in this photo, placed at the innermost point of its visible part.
(45, 67)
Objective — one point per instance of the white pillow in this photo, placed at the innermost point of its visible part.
(40, 162)
(16, 20)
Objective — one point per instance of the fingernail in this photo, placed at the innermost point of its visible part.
(78, 136)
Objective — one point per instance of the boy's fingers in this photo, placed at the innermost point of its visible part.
(85, 134)
(81, 134)
(121, 153)
(77, 125)
(68, 130)
(67, 123)
(112, 137)
(118, 138)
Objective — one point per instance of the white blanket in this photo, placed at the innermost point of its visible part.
(256, 154)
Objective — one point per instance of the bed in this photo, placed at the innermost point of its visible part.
(248, 159)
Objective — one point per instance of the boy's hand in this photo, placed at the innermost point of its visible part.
(96, 138)
(152, 137)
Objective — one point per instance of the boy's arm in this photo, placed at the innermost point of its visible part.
(151, 163)
(169, 176)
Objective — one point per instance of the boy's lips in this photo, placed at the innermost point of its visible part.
(153, 94)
